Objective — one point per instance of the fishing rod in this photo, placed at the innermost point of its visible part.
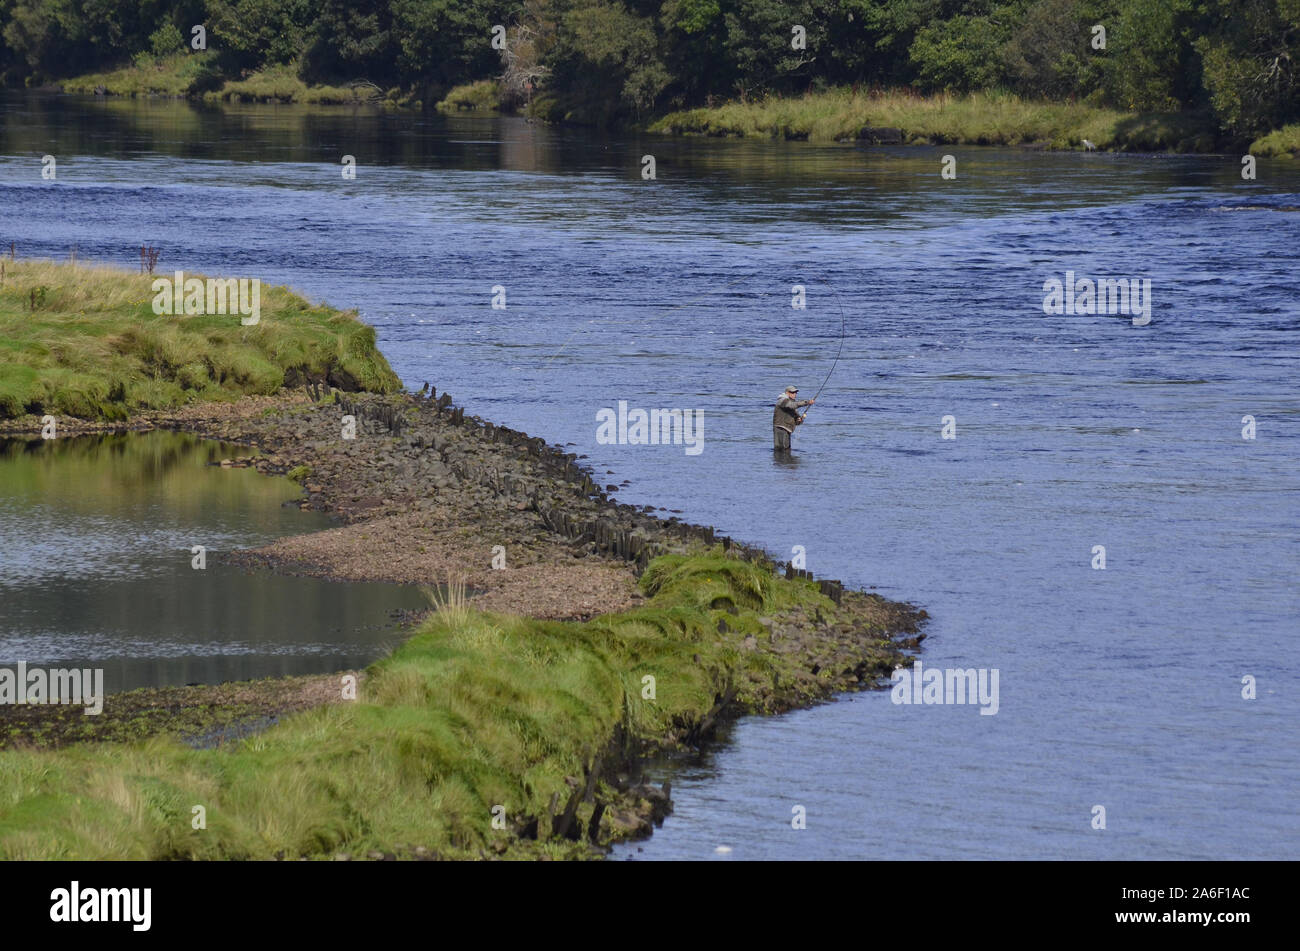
(843, 325)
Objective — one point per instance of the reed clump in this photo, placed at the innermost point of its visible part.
(1283, 142)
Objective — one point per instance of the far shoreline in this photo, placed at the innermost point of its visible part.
(899, 117)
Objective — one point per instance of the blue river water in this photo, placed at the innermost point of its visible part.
(1120, 687)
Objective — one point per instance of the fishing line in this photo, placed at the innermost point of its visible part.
(653, 317)
(843, 325)
(686, 303)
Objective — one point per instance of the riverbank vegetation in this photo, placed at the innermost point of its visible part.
(1284, 141)
(84, 341)
(1194, 73)
(970, 119)
(179, 75)
(174, 75)
(476, 714)
(483, 95)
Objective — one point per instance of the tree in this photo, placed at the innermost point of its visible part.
(1151, 63)
(442, 42)
(1252, 64)
(1050, 52)
(604, 62)
(529, 42)
(258, 33)
(352, 39)
(960, 54)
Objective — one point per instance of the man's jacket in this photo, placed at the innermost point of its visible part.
(786, 415)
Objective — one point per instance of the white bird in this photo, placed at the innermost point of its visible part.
(1090, 146)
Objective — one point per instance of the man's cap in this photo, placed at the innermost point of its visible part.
(792, 389)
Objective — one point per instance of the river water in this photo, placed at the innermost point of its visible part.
(100, 567)
(1119, 688)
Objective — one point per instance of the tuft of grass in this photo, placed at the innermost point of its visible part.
(91, 346)
(195, 75)
(451, 602)
(982, 118)
(281, 84)
(180, 74)
(1283, 142)
(484, 96)
(474, 711)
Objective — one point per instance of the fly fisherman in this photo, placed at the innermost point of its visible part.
(786, 417)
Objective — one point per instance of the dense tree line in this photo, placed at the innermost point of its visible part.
(607, 60)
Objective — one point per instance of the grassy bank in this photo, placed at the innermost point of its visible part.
(476, 711)
(180, 74)
(281, 84)
(976, 119)
(193, 75)
(481, 96)
(84, 341)
(1281, 142)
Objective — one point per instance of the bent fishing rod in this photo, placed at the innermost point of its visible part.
(837, 356)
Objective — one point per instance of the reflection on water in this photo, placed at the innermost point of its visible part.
(97, 535)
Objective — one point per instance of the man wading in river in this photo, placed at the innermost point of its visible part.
(786, 417)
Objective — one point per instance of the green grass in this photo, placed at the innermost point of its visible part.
(474, 711)
(281, 84)
(1281, 142)
(483, 96)
(83, 341)
(180, 74)
(990, 118)
(195, 75)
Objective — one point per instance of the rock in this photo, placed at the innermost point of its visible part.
(880, 135)
(625, 820)
(647, 791)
